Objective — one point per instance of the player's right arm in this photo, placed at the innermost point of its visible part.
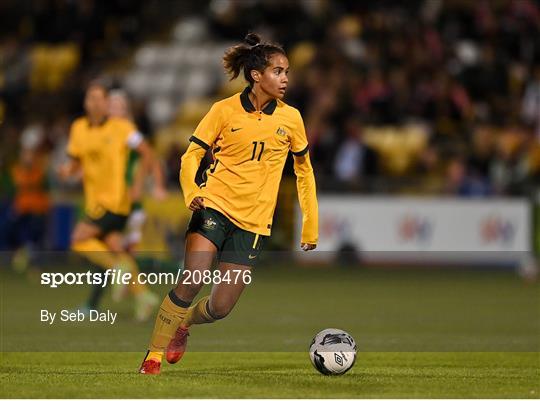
(204, 136)
(69, 169)
(190, 164)
(73, 166)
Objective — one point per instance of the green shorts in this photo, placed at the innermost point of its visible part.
(109, 222)
(234, 244)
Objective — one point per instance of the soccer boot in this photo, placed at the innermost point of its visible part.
(177, 346)
(150, 367)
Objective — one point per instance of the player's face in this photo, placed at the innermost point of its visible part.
(118, 107)
(96, 102)
(274, 78)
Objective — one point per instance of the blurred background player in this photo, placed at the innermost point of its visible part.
(119, 107)
(27, 226)
(99, 145)
(250, 134)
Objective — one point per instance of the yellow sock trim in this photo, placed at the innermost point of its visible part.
(156, 356)
(198, 313)
(168, 319)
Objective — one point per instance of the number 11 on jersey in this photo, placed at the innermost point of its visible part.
(255, 145)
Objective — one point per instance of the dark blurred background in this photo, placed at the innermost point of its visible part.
(424, 97)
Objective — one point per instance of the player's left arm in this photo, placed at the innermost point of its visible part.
(149, 163)
(307, 196)
(306, 187)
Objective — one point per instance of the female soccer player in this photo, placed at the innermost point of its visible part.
(250, 135)
(99, 145)
(135, 175)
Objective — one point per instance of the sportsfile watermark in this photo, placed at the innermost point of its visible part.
(385, 305)
(121, 277)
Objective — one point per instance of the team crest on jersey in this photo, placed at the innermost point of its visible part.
(281, 131)
(209, 224)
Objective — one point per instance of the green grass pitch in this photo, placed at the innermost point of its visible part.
(269, 375)
(420, 334)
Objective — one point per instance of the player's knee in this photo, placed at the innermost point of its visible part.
(81, 235)
(77, 243)
(219, 311)
(114, 244)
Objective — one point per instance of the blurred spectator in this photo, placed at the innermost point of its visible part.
(429, 170)
(531, 102)
(510, 169)
(354, 161)
(461, 182)
(465, 70)
(31, 200)
(482, 149)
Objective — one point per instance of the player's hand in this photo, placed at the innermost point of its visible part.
(197, 204)
(159, 193)
(307, 247)
(64, 171)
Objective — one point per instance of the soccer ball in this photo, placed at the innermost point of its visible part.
(333, 352)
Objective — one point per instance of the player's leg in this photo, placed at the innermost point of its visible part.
(240, 252)
(145, 300)
(88, 239)
(84, 230)
(134, 228)
(199, 256)
(84, 240)
(223, 297)
(96, 294)
(210, 308)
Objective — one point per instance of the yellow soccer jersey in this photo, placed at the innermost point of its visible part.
(103, 151)
(250, 150)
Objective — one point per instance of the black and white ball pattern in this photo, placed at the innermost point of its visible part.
(333, 352)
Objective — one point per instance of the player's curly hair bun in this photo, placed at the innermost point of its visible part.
(252, 39)
(251, 54)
